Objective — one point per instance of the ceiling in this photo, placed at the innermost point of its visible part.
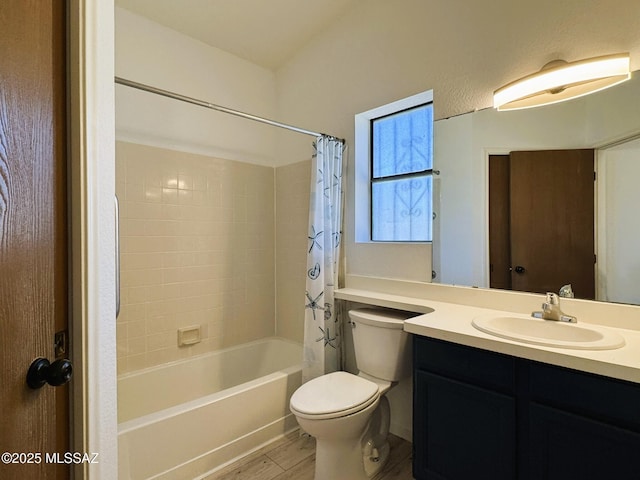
(264, 32)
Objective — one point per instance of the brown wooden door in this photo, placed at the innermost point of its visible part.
(499, 218)
(552, 221)
(33, 232)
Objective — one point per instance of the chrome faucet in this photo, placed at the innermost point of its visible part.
(551, 310)
(566, 291)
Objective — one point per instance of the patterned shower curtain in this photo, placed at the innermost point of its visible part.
(322, 329)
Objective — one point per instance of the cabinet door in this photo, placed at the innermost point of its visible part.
(461, 431)
(565, 446)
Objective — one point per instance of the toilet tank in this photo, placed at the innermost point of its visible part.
(382, 347)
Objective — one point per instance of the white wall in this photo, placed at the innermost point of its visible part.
(381, 51)
(149, 53)
(618, 253)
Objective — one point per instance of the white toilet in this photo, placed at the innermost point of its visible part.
(348, 414)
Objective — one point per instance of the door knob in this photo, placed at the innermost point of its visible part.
(519, 269)
(55, 374)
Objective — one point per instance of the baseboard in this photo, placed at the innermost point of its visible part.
(401, 431)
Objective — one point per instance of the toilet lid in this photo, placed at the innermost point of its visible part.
(333, 395)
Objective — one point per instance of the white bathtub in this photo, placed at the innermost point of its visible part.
(189, 417)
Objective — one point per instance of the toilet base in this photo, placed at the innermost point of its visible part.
(356, 458)
(376, 448)
(374, 462)
(339, 460)
(339, 444)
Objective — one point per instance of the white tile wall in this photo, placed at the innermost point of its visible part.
(292, 227)
(197, 248)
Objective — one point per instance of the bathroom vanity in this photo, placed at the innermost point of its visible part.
(480, 414)
(487, 407)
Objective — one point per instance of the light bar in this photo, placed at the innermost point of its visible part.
(559, 81)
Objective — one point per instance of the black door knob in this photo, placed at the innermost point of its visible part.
(519, 269)
(55, 374)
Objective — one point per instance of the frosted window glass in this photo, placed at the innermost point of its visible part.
(401, 182)
(402, 209)
(403, 142)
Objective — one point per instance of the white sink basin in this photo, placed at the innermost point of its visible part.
(549, 333)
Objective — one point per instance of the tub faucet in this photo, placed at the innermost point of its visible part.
(551, 310)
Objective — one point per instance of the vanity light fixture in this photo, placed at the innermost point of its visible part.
(558, 81)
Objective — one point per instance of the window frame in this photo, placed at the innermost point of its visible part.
(364, 165)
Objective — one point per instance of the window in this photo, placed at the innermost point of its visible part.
(394, 153)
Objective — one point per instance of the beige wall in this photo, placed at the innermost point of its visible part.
(204, 241)
(197, 248)
(235, 302)
(292, 220)
(204, 254)
(149, 53)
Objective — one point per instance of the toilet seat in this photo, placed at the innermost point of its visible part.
(333, 395)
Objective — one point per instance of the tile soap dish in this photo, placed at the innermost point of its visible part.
(189, 336)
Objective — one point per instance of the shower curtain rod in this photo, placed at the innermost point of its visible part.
(219, 108)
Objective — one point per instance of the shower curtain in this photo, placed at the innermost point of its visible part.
(322, 329)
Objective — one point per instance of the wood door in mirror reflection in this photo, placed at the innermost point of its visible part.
(541, 221)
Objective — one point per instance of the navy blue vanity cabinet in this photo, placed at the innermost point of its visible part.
(484, 415)
(464, 414)
(582, 425)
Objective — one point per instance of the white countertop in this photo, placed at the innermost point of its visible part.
(452, 322)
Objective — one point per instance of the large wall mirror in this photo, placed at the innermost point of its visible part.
(607, 124)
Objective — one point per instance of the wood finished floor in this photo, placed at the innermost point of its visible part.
(293, 458)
